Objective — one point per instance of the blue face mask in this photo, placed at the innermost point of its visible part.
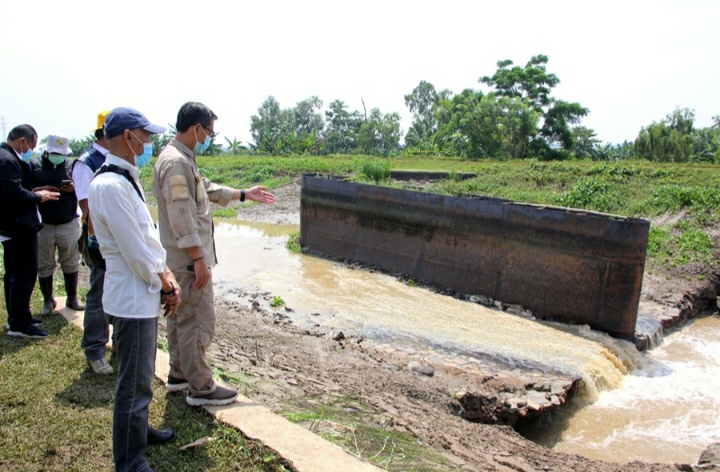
(25, 156)
(202, 147)
(145, 157)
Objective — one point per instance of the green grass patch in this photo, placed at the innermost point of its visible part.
(591, 194)
(293, 244)
(342, 420)
(56, 415)
(680, 244)
(375, 170)
(277, 301)
(227, 212)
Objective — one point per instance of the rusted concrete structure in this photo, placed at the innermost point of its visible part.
(569, 265)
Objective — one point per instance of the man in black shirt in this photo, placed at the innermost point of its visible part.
(61, 227)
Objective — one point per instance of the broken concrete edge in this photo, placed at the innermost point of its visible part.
(693, 304)
(301, 448)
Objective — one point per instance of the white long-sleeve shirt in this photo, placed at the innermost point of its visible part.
(129, 242)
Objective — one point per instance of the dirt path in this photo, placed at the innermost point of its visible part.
(370, 400)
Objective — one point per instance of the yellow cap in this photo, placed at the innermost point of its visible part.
(101, 118)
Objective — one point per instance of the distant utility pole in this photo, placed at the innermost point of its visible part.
(4, 133)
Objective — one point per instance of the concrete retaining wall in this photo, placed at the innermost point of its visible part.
(569, 265)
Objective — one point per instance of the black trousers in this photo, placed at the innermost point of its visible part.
(21, 268)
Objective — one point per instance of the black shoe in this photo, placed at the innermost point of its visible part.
(221, 396)
(30, 332)
(36, 321)
(175, 384)
(160, 436)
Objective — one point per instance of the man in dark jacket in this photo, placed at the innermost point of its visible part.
(19, 225)
(61, 227)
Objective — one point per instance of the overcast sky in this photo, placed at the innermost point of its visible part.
(631, 62)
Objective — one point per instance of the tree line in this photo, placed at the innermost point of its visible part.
(517, 118)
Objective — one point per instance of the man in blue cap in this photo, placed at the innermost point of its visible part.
(137, 281)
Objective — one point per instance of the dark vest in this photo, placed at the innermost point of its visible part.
(44, 172)
(92, 158)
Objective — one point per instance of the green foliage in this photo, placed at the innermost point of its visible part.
(235, 147)
(531, 82)
(293, 243)
(380, 134)
(375, 170)
(424, 103)
(610, 152)
(592, 194)
(585, 141)
(658, 242)
(159, 141)
(342, 129)
(227, 212)
(78, 146)
(693, 244)
(277, 301)
(702, 203)
(670, 140)
(294, 130)
(678, 245)
(533, 85)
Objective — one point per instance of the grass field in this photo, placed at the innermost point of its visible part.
(690, 193)
(56, 415)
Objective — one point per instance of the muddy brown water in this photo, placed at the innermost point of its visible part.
(661, 406)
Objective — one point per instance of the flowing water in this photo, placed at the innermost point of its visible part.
(666, 411)
(667, 383)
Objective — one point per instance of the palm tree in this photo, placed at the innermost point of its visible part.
(234, 146)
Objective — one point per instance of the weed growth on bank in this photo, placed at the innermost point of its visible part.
(339, 419)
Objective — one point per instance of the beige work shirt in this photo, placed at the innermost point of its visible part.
(183, 197)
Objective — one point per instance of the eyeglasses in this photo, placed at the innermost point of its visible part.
(211, 133)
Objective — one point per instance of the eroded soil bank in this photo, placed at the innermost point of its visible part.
(377, 402)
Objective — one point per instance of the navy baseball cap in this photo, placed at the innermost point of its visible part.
(120, 119)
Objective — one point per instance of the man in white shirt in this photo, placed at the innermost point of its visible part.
(137, 281)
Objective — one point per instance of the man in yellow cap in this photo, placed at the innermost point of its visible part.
(97, 329)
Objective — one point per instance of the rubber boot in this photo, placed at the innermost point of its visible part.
(71, 283)
(46, 287)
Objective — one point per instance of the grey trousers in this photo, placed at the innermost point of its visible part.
(97, 329)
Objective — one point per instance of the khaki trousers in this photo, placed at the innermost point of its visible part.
(64, 237)
(190, 333)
